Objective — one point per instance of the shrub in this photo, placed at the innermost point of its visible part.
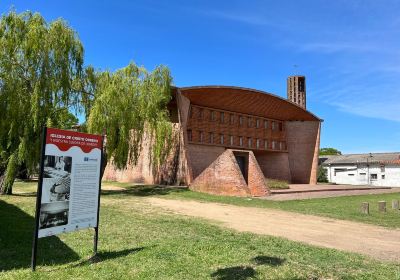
(322, 176)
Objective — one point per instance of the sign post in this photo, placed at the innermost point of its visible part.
(68, 195)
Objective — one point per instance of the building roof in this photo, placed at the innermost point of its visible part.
(247, 101)
(380, 158)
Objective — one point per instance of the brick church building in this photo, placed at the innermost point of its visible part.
(230, 139)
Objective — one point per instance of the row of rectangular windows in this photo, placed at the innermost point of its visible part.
(240, 119)
(251, 143)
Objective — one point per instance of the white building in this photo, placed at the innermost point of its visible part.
(375, 169)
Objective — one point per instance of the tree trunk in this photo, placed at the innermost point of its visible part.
(2, 176)
(8, 177)
(104, 164)
(5, 188)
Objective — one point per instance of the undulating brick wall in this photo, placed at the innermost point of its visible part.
(172, 171)
(236, 131)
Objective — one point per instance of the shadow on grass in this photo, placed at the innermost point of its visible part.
(16, 234)
(104, 256)
(245, 272)
(234, 273)
(145, 190)
(266, 260)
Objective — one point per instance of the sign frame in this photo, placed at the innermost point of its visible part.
(39, 199)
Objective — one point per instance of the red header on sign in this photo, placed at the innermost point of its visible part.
(65, 139)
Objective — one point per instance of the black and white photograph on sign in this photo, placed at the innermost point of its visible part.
(53, 214)
(57, 178)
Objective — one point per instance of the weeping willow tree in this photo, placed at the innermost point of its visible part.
(131, 104)
(41, 71)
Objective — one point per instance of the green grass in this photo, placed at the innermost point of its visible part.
(141, 242)
(345, 207)
(277, 184)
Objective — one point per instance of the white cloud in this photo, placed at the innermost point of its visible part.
(373, 109)
(248, 19)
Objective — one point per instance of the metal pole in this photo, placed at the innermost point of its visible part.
(38, 200)
(96, 229)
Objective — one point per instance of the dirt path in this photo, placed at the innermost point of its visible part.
(375, 241)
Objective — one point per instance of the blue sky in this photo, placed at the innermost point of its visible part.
(348, 50)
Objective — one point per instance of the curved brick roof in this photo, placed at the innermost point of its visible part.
(247, 101)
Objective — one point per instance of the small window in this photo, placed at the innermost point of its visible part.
(221, 117)
(201, 136)
(280, 145)
(266, 144)
(350, 174)
(249, 142)
(273, 125)
(221, 138)
(212, 115)
(257, 123)
(232, 119)
(280, 126)
(273, 145)
(258, 143)
(201, 113)
(374, 176)
(189, 132)
(241, 120)
(211, 137)
(301, 85)
(249, 122)
(231, 140)
(382, 168)
(265, 124)
(338, 170)
(383, 176)
(363, 174)
(240, 141)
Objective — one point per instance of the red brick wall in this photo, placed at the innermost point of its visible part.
(172, 171)
(183, 104)
(314, 167)
(201, 156)
(201, 122)
(256, 181)
(140, 173)
(274, 165)
(223, 177)
(303, 142)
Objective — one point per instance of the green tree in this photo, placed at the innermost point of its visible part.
(41, 73)
(131, 104)
(329, 152)
(322, 176)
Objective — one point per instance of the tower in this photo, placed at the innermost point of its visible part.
(296, 90)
